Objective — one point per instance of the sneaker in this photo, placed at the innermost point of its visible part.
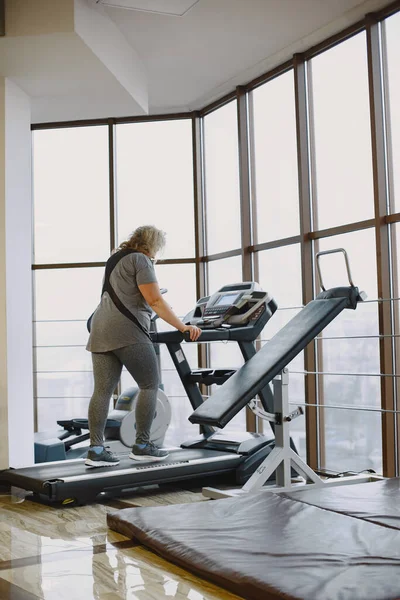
(104, 459)
(149, 452)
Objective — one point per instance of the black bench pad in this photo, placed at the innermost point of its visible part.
(263, 546)
(377, 502)
(268, 362)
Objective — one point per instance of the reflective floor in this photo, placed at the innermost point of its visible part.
(70, 554)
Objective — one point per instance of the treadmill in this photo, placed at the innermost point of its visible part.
(237, 312)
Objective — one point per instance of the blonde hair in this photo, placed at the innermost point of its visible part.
(147, 239)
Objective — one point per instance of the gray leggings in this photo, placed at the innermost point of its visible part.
(140, 361)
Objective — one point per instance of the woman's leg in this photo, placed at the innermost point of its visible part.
(107, 372)
(141, 362)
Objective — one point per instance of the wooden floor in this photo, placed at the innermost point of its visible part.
(70, 554)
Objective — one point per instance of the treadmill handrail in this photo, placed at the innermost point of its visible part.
(275, 355)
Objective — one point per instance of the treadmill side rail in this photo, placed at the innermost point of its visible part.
(82, 485)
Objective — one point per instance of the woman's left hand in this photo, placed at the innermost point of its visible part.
(194, 332)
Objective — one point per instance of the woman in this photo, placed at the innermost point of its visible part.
(118, 340)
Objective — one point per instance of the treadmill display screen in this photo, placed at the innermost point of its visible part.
(227, 299)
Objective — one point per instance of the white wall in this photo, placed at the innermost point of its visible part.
(106, 41)
(16, 370)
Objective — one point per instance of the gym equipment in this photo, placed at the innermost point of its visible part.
(247, 310)
(270, 364)
(68, 443)
(309, 542)
(119, 434)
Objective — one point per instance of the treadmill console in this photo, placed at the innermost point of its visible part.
(234, 305)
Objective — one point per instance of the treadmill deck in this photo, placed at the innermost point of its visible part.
(61, 480)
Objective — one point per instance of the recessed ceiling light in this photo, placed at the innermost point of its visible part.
(176, 8)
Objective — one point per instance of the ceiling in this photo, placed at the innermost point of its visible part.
(218, 44)
(177, 63)
(167, 7)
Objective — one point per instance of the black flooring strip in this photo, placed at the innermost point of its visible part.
(120, 545)
(123, 544)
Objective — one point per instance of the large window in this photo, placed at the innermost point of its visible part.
(154, 184)
(64, 299)
(280, 275)
(275, 160)
(226, 355)
(395, 231)
(71, 225)
(71, 206)
(342, 135)
(348, 357)
(222, 199)
(154, 173)
(224, 272)
(392, 29)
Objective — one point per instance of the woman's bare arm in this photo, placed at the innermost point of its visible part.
(151, 293)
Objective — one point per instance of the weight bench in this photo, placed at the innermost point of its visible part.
(270, 364)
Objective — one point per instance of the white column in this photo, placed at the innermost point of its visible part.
(16, 364)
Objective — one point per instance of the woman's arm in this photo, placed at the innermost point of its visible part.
(151, 293)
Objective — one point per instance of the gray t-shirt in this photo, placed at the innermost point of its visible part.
(110, 329)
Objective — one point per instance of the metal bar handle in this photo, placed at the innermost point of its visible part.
(346, 258)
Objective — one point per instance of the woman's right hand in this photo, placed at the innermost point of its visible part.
(194, 332)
